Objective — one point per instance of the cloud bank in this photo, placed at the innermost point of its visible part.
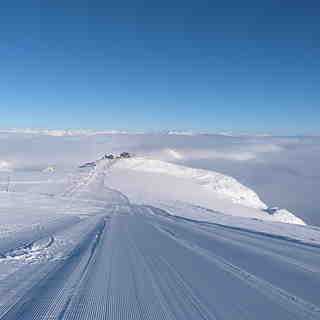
(284, 171)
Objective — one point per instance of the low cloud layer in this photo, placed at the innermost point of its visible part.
(284, 171)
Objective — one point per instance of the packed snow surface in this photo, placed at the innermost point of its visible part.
(141, 238)
(223, 185)
(146, 180)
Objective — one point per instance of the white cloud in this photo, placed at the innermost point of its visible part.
(283, 170)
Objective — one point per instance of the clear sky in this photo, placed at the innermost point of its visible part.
(198, 65)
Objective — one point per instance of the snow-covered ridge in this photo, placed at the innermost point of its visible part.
(59, 133)
(182, 133)
(67, 132)
(219, 183)
(237, 199)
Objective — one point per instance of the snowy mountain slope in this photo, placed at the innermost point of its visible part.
(143, 180)
(180, 191)
(148, 266)
(59, 133)
(223, 185)
(273, 228)
(120, 183)
(147, 181)
(156, 241)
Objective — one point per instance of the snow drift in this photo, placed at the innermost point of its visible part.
(221, 184)
(148, 181)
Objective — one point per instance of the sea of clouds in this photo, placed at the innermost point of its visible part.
(284, 171)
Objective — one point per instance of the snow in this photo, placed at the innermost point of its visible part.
(160, 268)
(218, 183)
(21, 273)
(267, 165)
(49, 169)
(68, 132)
(5, 166)
(174, 154)
(181, 133)
(143, 235)
(272, 227)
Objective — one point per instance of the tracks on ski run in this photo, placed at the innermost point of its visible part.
(148, 267)
(82, 181)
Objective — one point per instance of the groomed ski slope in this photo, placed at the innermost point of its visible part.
(155, 253)
(149, 266)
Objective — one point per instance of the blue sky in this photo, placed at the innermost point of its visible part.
(150, 65)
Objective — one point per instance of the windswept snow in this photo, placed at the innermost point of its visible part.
(142, 238)
(223, 185)
(5, 165)
(275, 228)
(174, 154)
(146, 179)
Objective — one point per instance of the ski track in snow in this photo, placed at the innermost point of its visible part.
(140, 262)
(145, 266)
